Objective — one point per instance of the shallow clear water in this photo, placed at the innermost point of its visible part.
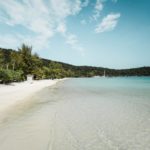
(82, 114)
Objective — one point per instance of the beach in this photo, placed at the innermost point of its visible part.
(79, 114)
(15, 94)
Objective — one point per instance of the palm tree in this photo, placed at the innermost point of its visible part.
(25, 53)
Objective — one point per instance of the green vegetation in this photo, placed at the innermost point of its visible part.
(15, 65)
(7, 75)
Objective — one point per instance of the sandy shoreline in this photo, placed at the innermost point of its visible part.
(17, 92)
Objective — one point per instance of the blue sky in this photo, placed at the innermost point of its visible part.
(107, 33)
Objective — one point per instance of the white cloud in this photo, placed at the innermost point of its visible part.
(72, 40)
(62, 28)
(31, 14)
(99, 5)
(97, 10)
(43, 19)
(63, 8)
(108, 23)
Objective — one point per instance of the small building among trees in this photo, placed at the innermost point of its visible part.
(30, 78)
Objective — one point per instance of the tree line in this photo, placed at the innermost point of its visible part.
(16, 65)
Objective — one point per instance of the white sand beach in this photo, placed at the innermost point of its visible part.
(18, 93)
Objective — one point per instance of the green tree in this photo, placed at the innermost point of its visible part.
(5, 59)
(1, 58)
(25, 53)
(15, 60)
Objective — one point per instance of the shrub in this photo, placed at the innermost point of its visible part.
(7, 76)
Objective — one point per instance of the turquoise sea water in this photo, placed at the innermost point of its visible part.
(83, 114)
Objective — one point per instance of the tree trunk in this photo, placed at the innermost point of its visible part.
(13, 66)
